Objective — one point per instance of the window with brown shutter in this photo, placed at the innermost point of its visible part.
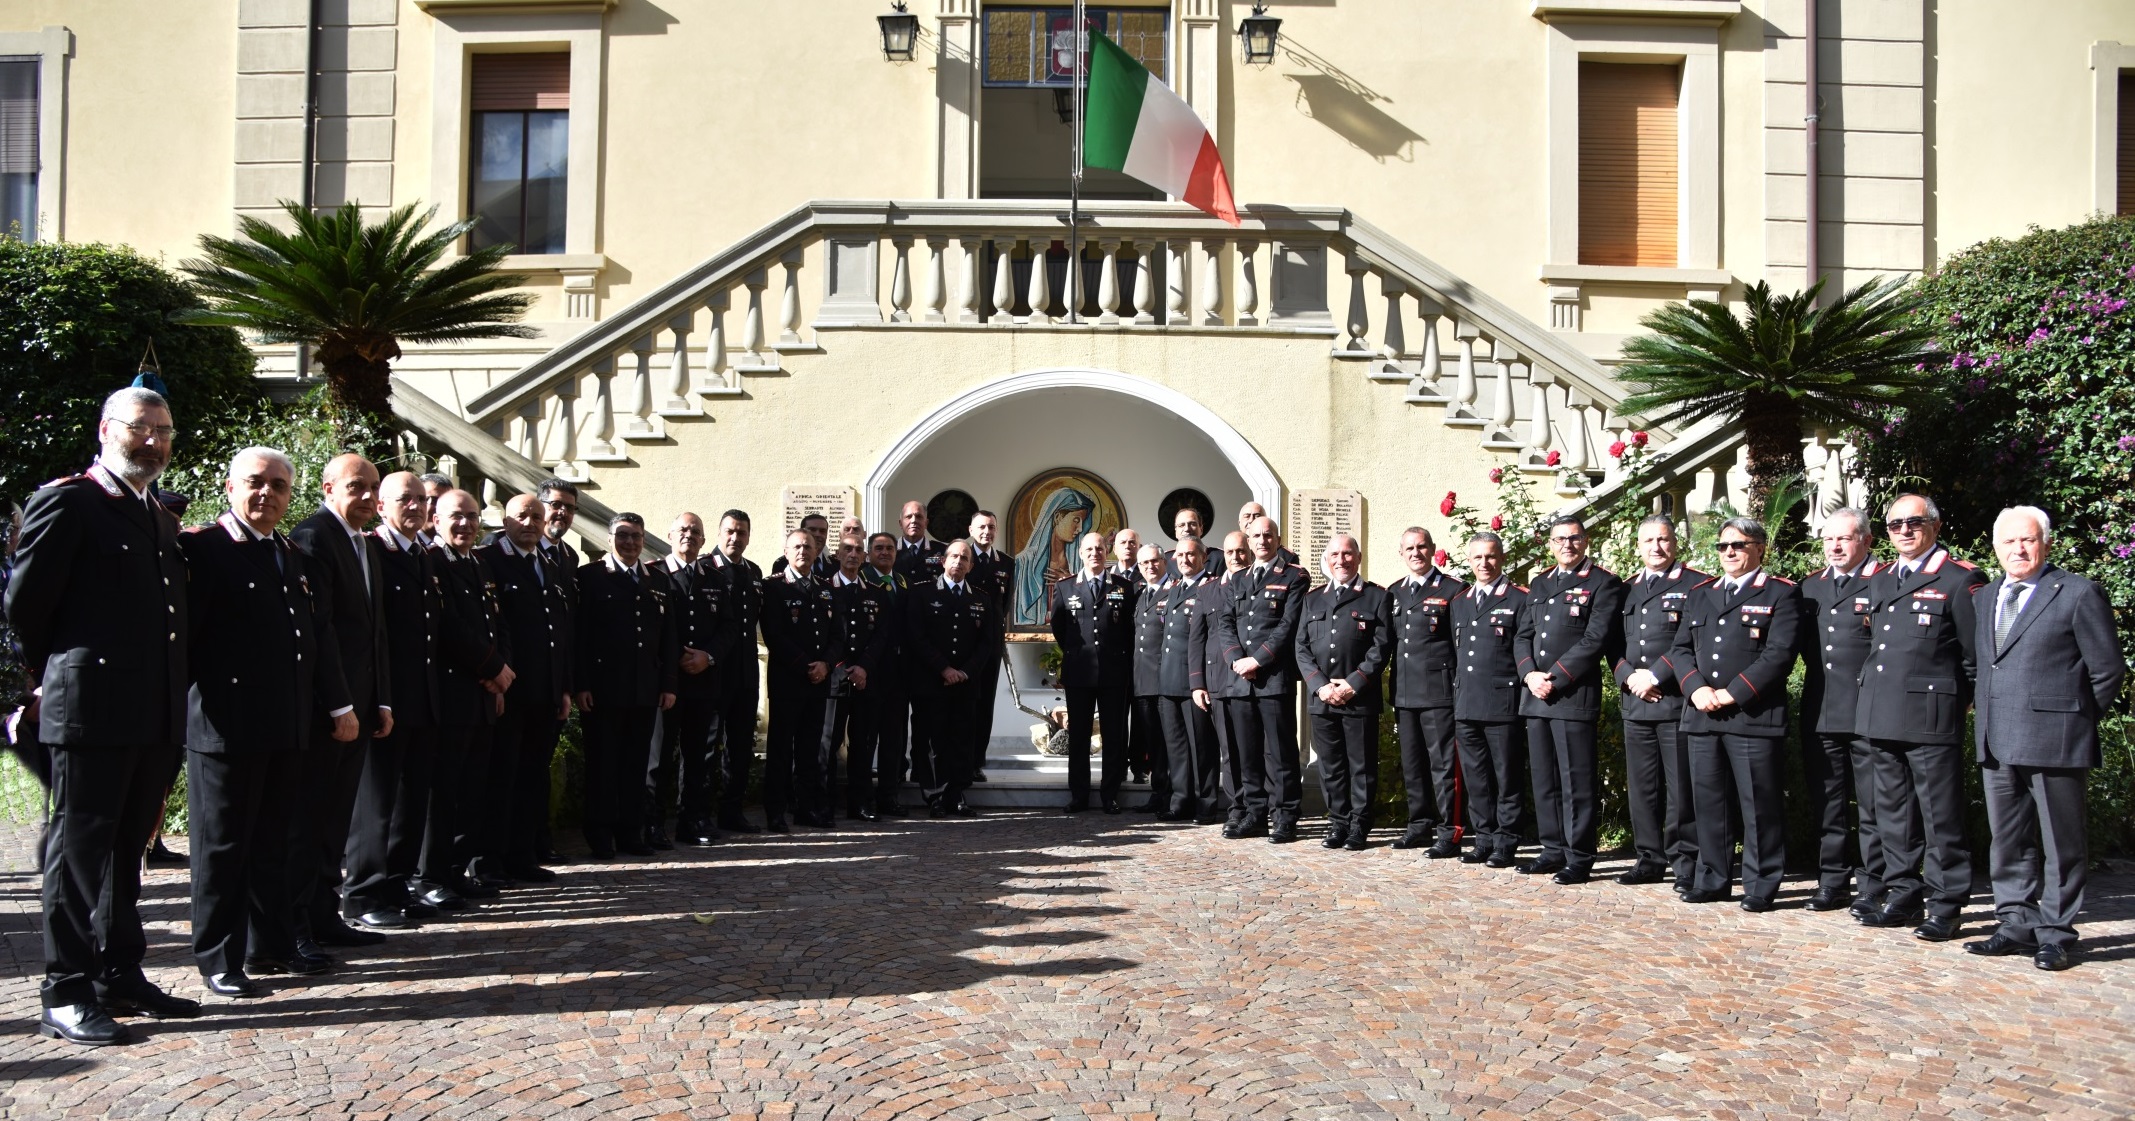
(520, 159)
(18, 148)
(2127, 143)
(1628, 159)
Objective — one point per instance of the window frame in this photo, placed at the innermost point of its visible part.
(2108, 61)
(50, 48)
(526, 146)
(1097, 14)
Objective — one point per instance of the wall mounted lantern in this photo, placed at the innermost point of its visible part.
(1258, 34)
(900, 29)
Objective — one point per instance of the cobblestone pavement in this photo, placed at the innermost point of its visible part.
(1026, 965)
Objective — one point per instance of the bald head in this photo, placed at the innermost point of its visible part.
(1263, 538)
(350, 484)
(459, 519)
(1248, 512)
(1091, 551)
(523, 516)
(403, 503)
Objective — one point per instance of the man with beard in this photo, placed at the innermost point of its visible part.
(97, 602)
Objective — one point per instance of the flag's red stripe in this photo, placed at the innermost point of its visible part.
(1208, 187)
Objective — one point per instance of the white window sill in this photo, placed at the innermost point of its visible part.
(1633, 274)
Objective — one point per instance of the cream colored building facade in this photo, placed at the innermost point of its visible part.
(783, 261)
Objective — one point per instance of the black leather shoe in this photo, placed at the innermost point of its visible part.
(296, 966)
(1502, 860)
(1152, 806)
(442, 898)
(1475, 855)
(1358, 841)
(699, 839)
(656, 840)
(158, 853)
(1899, 914)
(1209, 819)
(1112, 805)
(2052, 959)
(861, 813)
(1999, 946)
(1075, 808)
(382, 920)
(477, 888)
(892, 809)
(1642, 874)
(1829, 898)
(418, 910)
(144, 999)
(978, 776)
(85, 1024)
(1938, 928)
(1866, 907)
(1412, 841)
(231, 985)
(1757, 904)
(1442, 850)
(1336, 838)
(822, 820)
(1138, 777)
(341, 934)
(1696, 896)
(1540, 867)
(737, 824)
(776, 825)
(1168, 815)
(531, 874)
(1282, 833)
(1570, 877)
(309, 951)
(1250, 829)
(962, 808)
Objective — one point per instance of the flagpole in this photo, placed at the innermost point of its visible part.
(1081, 48)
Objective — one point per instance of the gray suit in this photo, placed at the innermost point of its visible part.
(2039, 695)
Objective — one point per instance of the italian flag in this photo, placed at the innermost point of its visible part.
(1136, 125)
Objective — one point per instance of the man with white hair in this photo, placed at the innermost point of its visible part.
(2049, 664)
(97, 604)
(262, 674)
(1838, 766)
(1344, 636)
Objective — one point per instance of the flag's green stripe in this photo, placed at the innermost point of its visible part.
(1117, 83)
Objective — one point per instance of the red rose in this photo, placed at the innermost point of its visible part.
(1616, 449)
(1446, 508)
(1439, 558)
(1496, 522)
(1553, 458)
(1497, 474)
(1639, 439)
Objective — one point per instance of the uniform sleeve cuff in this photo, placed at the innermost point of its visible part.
(338, 713)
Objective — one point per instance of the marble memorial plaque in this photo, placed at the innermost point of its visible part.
(836, 503)
(1316, 516)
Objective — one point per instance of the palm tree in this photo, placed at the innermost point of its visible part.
(1786, 365)
(356, 292)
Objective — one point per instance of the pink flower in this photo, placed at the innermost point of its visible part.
(1616, 449)
(1446, 508)
(1553, 458)
(1439, 558)
(1638, 439)
(1497, 474)
(1496, 522)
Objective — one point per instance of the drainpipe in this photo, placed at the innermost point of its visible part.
(1809, 120)
(311, 130)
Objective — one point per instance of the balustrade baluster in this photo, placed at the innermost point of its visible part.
(530, 418)
(1212, 283)
(1502, 356)
(640, 422)
(715, 367)
(1539, 436)
(1426, 381)
(1108, 281)
(602, 445)
(1144, 283)
(1248, 285)
(752, 326)
(937, 296)
(1040, 290)
(567, 429)
(678, 367)
(1004, 280)
(1396, 342)
(790, 303)
(1359, 319)
(969, 284)
(1175, 283)
(901, 281)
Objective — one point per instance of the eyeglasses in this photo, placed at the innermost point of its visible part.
(163, 432)
(1567, 539)
(559, 504)
(1908, 525)
(1732, 546)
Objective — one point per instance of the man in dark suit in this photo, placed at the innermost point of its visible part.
(625, 677)
(1915, 688)
(1258, 633)
(800, 637)
(533, 599)
(264, 669)
(919, 557)
(817, 527)
(1190, 747)
(97, 602)
(1563, 639)
(1152, 601)
(2049, 665)
(950, 632)
(1486, 702)
(1421, 681)
(1731, 658)
(893, 705)
(1093, 623)
(397, 776)
(1656, 760)
(994, 572)
(474, 677)
(559, 512)
(690, 731)
(1839, 766)
(1216, 689)
(347, 569)
(1344, 636)
(739, 678)
(866, 681)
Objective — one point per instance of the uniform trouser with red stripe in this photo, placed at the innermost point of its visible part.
(1739, 775)
(1657, 781)
(1429, 761)
(1561, 758)
(1490, 752)
(106, 802)
(1348, 747)
(237, 804)
(1268, 725)
(1840, 770)
(1920, 816)
(1190, 748)
(1244, 767)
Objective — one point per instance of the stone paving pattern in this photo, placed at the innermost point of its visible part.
(1033, 966)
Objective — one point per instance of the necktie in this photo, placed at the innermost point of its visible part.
(363, 560)
(2005, 618)
(1840, 580)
